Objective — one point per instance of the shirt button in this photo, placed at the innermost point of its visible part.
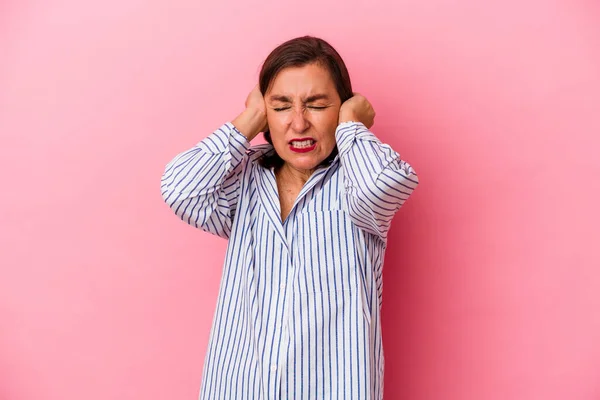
(282, 286)
(273, 368)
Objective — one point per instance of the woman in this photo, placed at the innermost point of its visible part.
(307, 217)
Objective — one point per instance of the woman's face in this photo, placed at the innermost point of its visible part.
(302, 111)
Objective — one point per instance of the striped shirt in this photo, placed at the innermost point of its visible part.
(298, 312)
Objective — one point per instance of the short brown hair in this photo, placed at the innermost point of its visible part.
(299, 52)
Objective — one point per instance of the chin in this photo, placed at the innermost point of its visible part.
(307, 164)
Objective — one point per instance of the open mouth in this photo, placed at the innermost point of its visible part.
(302, 145)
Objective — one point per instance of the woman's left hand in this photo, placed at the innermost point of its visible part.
(357, 109)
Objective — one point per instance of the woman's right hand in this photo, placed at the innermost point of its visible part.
(253, 119)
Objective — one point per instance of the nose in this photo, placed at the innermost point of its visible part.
(299, 122)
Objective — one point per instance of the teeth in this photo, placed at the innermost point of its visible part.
(302, 144)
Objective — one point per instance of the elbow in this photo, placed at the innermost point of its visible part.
(409, 175)
(168, 194)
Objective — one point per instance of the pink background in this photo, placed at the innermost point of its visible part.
(492, 279)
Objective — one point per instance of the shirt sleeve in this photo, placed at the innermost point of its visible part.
(376, 181)
(202, 184)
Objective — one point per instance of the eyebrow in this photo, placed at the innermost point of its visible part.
(316, 97)
(310, 99)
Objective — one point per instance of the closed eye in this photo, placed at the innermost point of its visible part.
(311, 107)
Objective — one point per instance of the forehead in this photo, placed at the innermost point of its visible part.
(303, 81)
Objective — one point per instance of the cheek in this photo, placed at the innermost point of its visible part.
(328, 143)
(327, 120)
(275, 118)
(277, 127)
(327, 125)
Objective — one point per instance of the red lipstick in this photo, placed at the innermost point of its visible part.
(304, 149)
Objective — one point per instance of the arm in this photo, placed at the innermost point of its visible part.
(377, 182)
(202, 185)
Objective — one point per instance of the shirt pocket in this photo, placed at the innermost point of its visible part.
(325, 252)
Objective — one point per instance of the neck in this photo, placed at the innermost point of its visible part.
(294, 175)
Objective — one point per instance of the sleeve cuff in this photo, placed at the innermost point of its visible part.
(238, 143)
(226, 139)
(347, 132)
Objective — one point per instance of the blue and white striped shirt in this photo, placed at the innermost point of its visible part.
(298, 313)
